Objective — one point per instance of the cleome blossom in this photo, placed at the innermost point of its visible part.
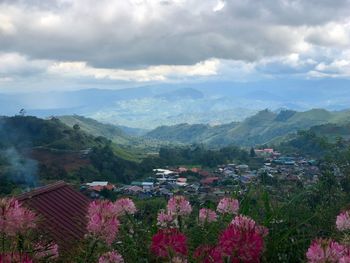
(111, 257)
(241, 241)
(345, 259)
(228, 206)
(164, 219)
(178, 205)
(207, 254)
(125, 206)
(15, 219)
(326, 250)
(102, 221)
(245, 223)
(15, 258)
(343, 221)
(169, 243)
(240, 244)
(207, 215)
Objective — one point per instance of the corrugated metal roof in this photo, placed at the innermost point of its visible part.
(61, 210)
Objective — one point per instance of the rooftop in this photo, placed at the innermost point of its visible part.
(61, 210)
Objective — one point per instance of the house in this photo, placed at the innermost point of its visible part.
(209, 180)
(96, 187)
(62, 212)
(181, 181)
(182, 170)
(133, 189)
(147, 186)
(242, 168)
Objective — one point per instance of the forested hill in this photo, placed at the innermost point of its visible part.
(20, 132)
(96, 128)
(34, 151)
(264, 127)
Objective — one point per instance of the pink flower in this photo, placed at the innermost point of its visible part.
(178, 205)
(15, 219)
(343, 221)
(247, 224)
(228, 206)
(125, 206)
(325, 250)
(15, 258)
(207, 254)
(207, 215)
(46, 250)
(102, 221)
(164, 219)
(241, 246)
(168, 243)
(242, 241)
(344, 259)
(111, 257)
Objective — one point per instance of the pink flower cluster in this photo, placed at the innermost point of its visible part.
(343, 221)
(15, 258)
(103, 216)
(102, 221)
(111, 257)
(178, 205)
(169, 243)
(228, 206)
(241, 241)
(247, 224)
(207, 216)
(164, 219)
(206, 254)
(125, 206)
(14, 218)
(327, 250)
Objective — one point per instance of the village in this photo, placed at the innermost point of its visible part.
(213, 184)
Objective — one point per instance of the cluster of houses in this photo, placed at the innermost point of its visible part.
(187, 181)
(218, 182)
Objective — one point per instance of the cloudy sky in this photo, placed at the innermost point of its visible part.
(74, 44)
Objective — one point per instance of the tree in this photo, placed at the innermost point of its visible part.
(76, 127)
(252, 152)
(22, 112)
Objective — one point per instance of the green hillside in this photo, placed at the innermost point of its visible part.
(96, 128)
(35, 151)
(20, 132)
(125, 138)
(264, 127)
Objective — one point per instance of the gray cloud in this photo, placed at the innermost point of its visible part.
(137, 33)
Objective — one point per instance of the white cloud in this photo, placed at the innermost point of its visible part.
(17, 64)
(331, 34)
(6, 25)
(152, 73)
(219, 6)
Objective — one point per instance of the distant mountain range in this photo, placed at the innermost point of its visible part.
(213, 103)
(264, 127)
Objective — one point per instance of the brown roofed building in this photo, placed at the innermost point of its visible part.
(61, 210)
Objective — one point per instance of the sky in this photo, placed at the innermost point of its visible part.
(79, 44)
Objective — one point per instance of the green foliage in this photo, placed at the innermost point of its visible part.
(264, 127)
(111, 167)
(307, 143)
(20, 132)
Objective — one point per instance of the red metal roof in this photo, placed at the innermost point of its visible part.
(209, 180)
(62, 212)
